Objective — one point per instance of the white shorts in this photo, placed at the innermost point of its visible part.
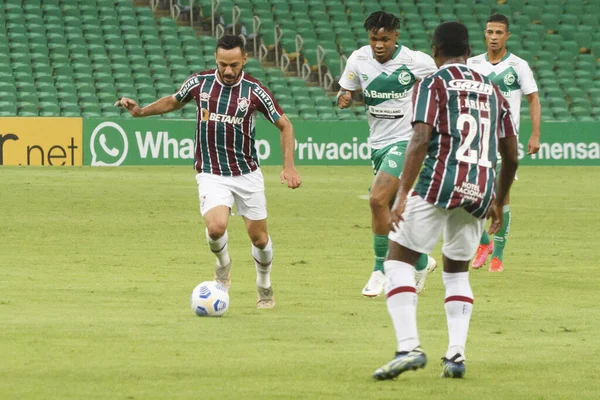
(246, 191)
(424, 223)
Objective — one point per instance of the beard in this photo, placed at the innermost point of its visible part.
(230, 78)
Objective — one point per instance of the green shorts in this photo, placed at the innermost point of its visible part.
(389, 159)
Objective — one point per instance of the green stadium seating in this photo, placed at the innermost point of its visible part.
(75, 57)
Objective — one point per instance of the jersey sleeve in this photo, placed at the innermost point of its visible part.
(184, 94)
(526, 80)
(425, 102)
(507, 125)
(426, 64)
(349, 79)
(266, 103)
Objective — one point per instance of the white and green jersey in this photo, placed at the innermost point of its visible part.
(387, 90)
(512, 75)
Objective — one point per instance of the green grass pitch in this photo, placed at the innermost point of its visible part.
(97, 266)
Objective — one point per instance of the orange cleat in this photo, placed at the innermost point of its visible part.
(496, 265)
(483, 251)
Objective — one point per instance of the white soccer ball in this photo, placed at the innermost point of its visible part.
(209, 299)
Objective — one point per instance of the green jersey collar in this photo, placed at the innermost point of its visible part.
(503, 58)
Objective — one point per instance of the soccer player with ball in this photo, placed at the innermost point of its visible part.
(460, 121)
(225, 158)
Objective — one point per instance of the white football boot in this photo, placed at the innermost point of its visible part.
(421, 276)
(375, 285)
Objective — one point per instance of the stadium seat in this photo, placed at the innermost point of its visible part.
(101, 49)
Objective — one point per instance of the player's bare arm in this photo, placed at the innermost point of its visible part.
(344, 98)
(508, 148)
(289, 172)
(159, 107)
(535, 111)
(413, 160)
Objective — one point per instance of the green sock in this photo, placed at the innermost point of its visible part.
(501, 237)
(380, 246)
(422, 262)
(485, 238)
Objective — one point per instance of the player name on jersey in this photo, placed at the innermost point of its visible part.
(475, 105)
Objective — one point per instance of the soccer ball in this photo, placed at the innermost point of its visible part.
(209, 299)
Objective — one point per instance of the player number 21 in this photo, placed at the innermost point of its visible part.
(465, 153)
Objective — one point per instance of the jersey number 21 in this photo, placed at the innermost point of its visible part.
(465, 153)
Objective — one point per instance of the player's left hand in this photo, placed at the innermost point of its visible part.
(292, 177)
(496, 215)
(397, 211)
(533, 146)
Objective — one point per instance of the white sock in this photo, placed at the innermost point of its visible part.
(263, 259)
(402, 302)
(219, 248)
(459, 306)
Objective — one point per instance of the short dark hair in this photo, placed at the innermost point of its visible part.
(452, 39)
(498, 18)
(381, 19)
(228, 42)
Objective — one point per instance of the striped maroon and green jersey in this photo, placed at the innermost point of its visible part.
(469, 116)
(225, 126)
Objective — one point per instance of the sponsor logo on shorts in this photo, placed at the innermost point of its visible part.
(394, 151)
(392, 164)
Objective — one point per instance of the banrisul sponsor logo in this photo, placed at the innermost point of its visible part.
(395, 86)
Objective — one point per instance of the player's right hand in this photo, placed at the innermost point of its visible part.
(496, 215)
(397, 211)
(345, 100)
(130, 105)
